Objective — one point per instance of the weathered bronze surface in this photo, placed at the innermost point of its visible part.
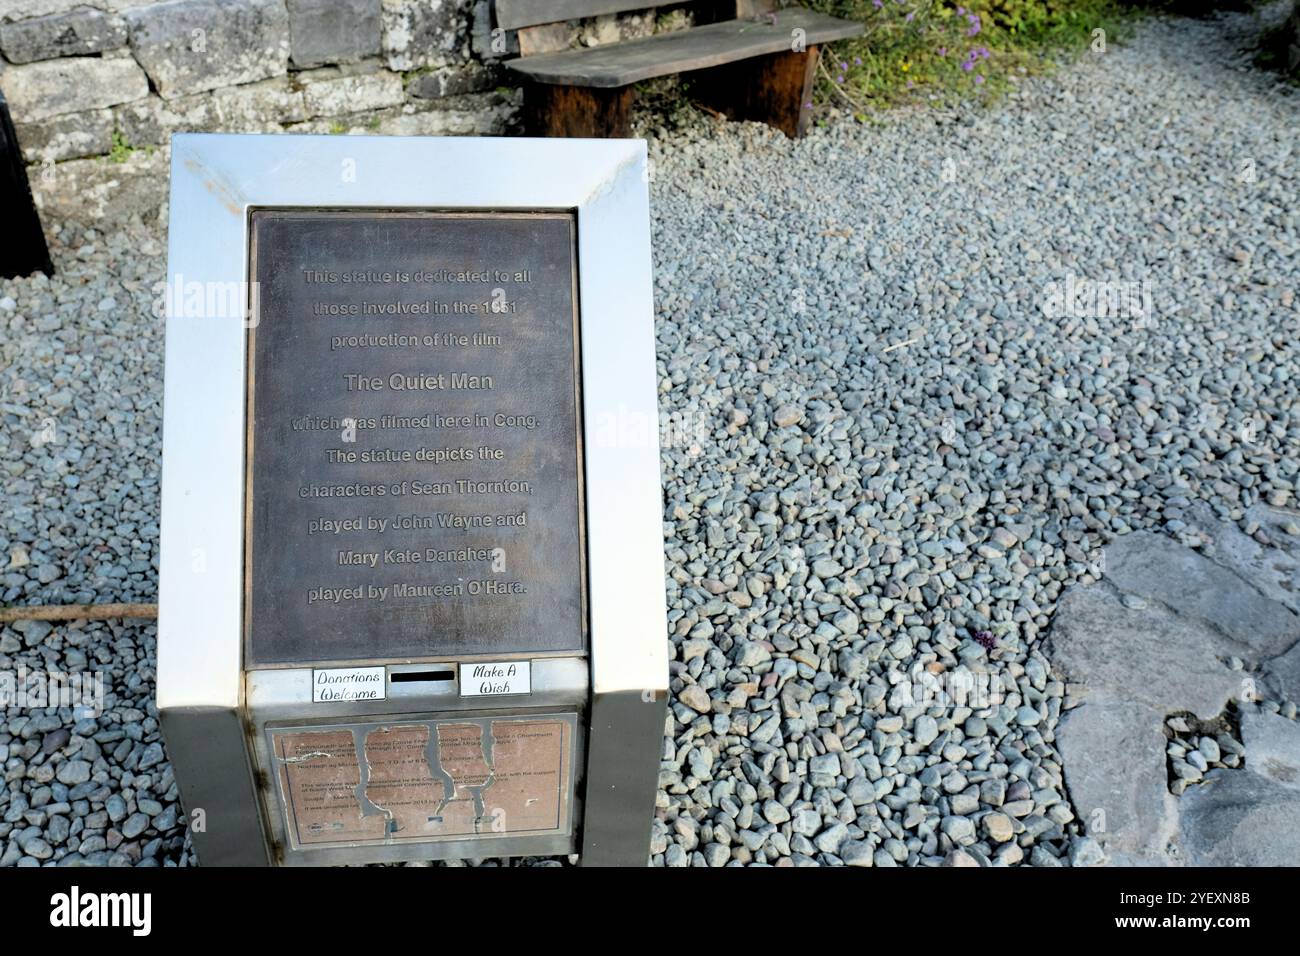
(414, 460)
(425, 780)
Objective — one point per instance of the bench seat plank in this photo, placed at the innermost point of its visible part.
(618, 64)
(513, 14)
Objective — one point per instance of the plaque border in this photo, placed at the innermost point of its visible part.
(250, 377)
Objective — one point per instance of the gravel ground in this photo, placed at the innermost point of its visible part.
(890, 444)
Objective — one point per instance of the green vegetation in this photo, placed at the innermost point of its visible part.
(947, 50)
(667, 98)
(122, 150)
(410, 76)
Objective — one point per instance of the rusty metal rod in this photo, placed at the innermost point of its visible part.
(76, 612)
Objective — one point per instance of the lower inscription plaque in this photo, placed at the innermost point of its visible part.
(414, 463)
(425, 779)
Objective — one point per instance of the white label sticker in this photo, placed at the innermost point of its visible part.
(495, 677)
(347, 683)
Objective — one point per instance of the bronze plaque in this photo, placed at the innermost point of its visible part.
(425, 779)
(414, 457)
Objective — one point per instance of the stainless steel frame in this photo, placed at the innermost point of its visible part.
(212, 717)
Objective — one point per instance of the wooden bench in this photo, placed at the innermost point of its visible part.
(758, 65)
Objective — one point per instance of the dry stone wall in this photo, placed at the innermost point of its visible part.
(99, 77)
(96, 87)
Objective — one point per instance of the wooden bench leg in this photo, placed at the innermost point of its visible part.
(551, 110)
(775, 89)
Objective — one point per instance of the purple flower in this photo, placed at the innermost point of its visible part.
(974, 20)
(968, 65)
(943, 51)
(843, 67)
(909, 17)
(877, 3)
(985, 640)
(978, 79)
(961, 10)
(857, 61)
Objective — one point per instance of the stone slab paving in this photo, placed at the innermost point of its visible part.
(1172, 630)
